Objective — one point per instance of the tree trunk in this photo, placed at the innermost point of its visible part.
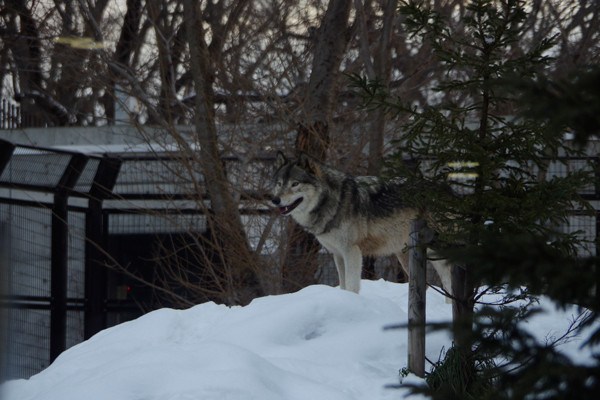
(122, 55)
(239, 259)
(331, 41)
(462, 306)
(378, 66)
(27, 50)
(313, 134)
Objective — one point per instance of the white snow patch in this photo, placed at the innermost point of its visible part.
(318, 343)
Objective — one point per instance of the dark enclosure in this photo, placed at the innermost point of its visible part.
(67, 218)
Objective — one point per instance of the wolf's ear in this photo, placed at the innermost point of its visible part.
(309, 164)
(280, 160)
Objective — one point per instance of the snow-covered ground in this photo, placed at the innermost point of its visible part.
(318, 343)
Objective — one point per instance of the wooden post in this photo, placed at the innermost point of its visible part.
(416, 298)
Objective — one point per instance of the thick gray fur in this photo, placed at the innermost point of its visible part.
(350, 216)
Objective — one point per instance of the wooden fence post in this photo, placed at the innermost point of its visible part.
(416, 298)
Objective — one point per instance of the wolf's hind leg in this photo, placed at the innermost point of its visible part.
(403, 260)
(444, 271)
(353, 265)
(339, 265)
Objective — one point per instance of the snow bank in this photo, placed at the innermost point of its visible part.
(318, 343)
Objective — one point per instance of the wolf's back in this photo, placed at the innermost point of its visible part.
(374, 197)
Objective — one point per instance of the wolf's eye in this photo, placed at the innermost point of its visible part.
(294, 184)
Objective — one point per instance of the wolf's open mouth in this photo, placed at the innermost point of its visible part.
(288, 209)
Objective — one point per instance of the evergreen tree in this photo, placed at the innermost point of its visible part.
(500, 225)
(569, 102)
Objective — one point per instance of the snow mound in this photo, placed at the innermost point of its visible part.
(318, 343)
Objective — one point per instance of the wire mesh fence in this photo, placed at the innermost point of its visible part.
(27, 279)
(43, 268)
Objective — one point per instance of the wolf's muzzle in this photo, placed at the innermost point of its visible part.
(284, 210)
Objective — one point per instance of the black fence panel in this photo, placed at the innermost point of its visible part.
(26, 277)
(27, 342)
(42, 296)
(26, 280)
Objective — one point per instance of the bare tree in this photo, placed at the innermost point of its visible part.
(23, 38)
(330, 43)
(226, 222)
(376, 56)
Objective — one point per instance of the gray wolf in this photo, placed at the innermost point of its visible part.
(351, 216)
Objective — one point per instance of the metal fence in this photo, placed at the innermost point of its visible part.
(10, 115)
(43, 291)
(65, 217)
(13, 117)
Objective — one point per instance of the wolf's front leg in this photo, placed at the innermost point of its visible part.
(339, 265)
(353, 266)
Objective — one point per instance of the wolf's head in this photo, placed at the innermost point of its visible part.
(295, 183)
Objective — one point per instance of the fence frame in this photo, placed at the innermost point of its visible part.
(58, 303)
(95, 304)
